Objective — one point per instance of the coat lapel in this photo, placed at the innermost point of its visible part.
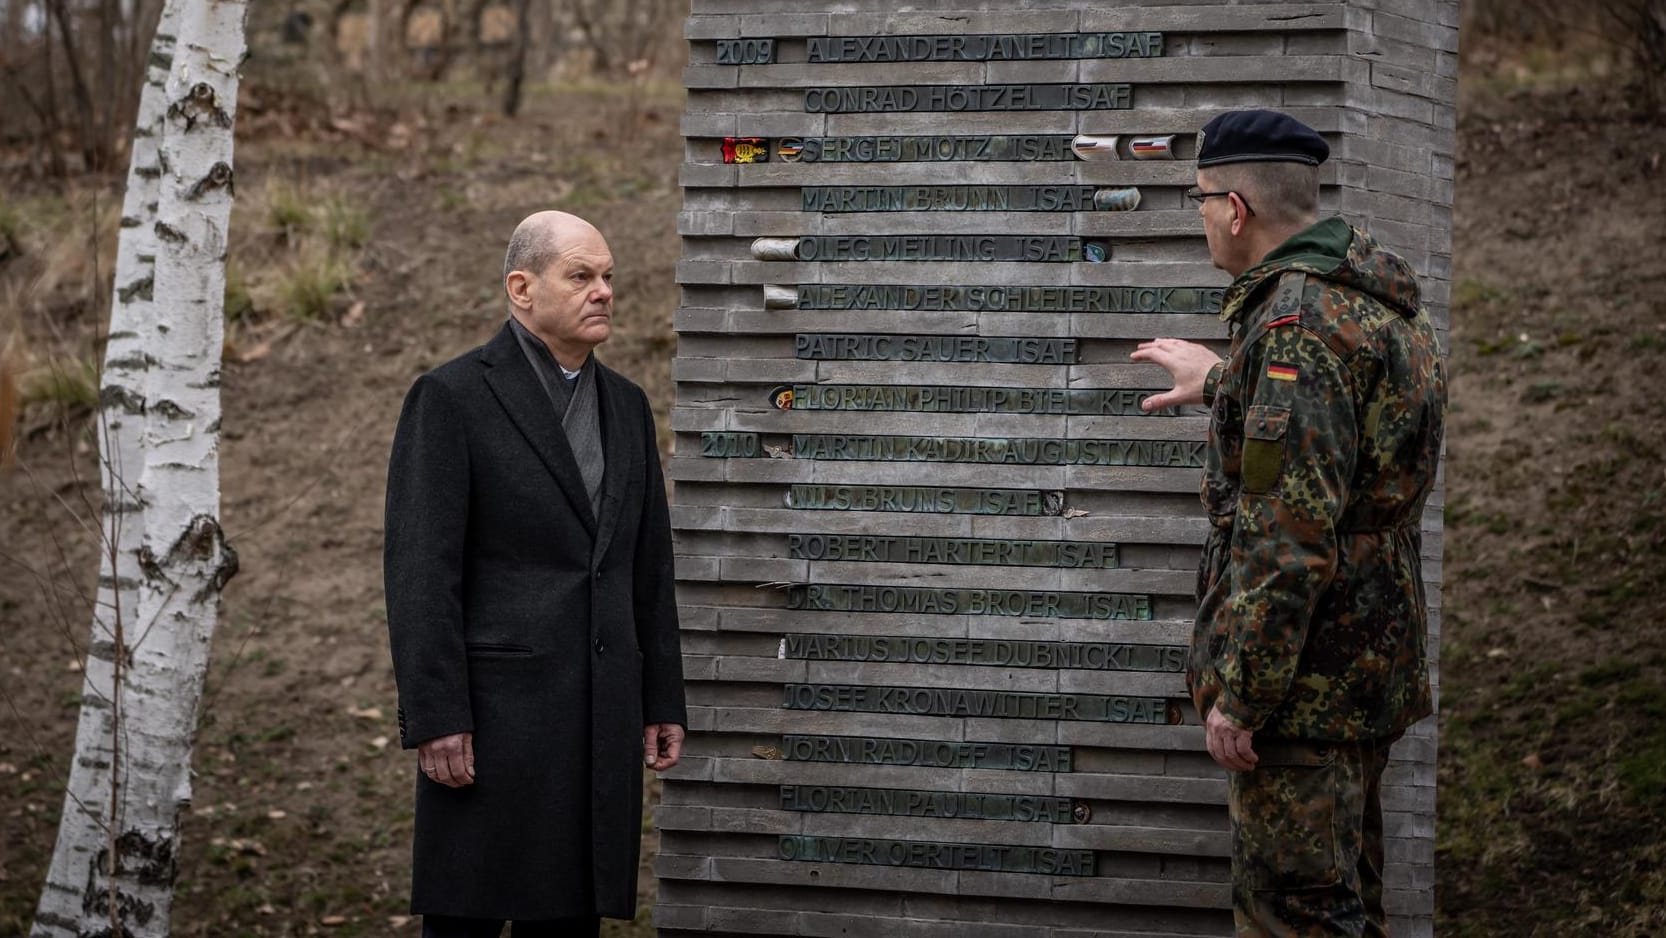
(517, 390)
(616, 437)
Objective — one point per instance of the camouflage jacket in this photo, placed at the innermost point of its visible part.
(1324, 441)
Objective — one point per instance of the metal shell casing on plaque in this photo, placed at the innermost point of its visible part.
(775, 249)
(1088, 147)
(1152, 148)
(779, 297)
(1117, 200)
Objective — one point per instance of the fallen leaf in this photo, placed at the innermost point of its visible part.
(1497, 653)
(277, 814)
(303, 786)
(267, 909)
(6, 768)
(368, 713)
(398, 921)
(380, 742)
(354, 315)
(1533, 761)
(255, 353)
(331, 921)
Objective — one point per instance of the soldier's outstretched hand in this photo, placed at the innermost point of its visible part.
(1188, 365)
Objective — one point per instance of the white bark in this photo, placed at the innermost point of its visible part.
(114, 868)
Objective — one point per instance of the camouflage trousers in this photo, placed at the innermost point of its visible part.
(1307, 840)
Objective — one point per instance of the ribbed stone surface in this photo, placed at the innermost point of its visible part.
(836, 574)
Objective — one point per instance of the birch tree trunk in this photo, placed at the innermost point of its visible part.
(113, 871)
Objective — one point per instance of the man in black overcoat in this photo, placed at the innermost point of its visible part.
(531, 608)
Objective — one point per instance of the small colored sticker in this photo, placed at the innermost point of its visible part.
(745, 150)
(782, 398)
(1096, 252)
(789, 149)
(1279, 371)
(1088, 147)
(1152, 148)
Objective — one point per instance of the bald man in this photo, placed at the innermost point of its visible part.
(530, 608)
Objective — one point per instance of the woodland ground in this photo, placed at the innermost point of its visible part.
(367, 249)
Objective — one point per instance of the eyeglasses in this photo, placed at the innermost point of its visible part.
(1198, 195)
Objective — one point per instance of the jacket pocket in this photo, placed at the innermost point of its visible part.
(1263, 462)
(497, 650)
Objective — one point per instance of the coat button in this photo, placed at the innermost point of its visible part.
(600, 646)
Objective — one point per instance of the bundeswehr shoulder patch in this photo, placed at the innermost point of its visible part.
(1282, 371)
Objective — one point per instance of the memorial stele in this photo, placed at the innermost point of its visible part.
(935, 566)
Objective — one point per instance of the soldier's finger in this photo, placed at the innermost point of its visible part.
(1159, 401)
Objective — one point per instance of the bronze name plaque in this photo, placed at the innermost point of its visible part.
(1023, 451)
(1019, 350)
(929, 753)
(989, 652)
(995, 858)
(961, 702)
(910, 802)
(1035, 249)
(984, 47)
(925, 148)
(891, 99)
(924, 499)
(869, 548)
(921, 600)
(955, 399)
(1033, 299)
(948, 198)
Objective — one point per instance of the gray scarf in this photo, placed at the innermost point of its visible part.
(576, 403)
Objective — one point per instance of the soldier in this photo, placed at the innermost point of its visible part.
(1308, 656)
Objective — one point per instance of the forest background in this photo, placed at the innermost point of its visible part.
(384, 150)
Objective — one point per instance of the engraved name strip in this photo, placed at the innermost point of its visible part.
(960, 702)
(924, 499)
(919, 600)
(890, 99)
(950, 399)
(929, 753)
(965, 198)
(866, 548)
(1037, 249)
(1022, 451)
(994, 858)
(930, 148)
(990, 652)
(910, 802)
(1012, 350)
(1032, 299)
(984, 47)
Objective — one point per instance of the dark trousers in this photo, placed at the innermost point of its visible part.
(1307, 840)
(450, 926)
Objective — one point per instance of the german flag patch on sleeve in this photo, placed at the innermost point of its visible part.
(1281, 371)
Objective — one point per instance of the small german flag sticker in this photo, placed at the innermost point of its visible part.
(1279, 371)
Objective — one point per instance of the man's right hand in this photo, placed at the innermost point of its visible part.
(448, 760)
(1187, 363)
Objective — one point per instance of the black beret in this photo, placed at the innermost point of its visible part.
(1259, 137)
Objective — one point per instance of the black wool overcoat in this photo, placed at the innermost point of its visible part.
(547, 630)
